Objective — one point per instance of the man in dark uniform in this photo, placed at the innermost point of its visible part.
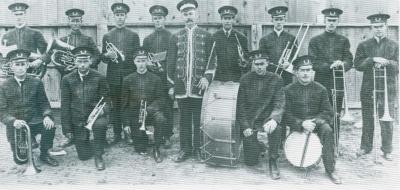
(81, 90)
(23, 36)
(230, 66)
(126, 42)
(187, 56)
(308, 109)
(23, 101)
(77, 39)
(260, 106)
(275, 42)
(157, 45)
(379, 52)
(143, 87)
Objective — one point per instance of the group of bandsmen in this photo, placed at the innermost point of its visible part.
(266, 101)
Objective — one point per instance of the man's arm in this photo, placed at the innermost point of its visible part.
(66, 120)
(325, 110)
(41, 42)
(158, 101)
(347, 56)
(104, 91)
(362, 61)
(43, 102)
(290, 119)
(126, 114)
(211, 58)
(320, 64)
(278, 100)
(96, 53)
(171, 60)
(241, 108)
(5, 116)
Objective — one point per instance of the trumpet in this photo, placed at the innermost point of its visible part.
(287, 52)
(242, 61)
(95, 114)
(23, 149)
(143, 115)
(116, 53)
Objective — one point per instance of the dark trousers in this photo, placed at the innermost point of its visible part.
(252, 147)
(116, 115)
(167, 129)
(140, 138)
(190, 110)
(83, 146)
(367, 136)
(339, 102)
(325, 134)
(46, 141)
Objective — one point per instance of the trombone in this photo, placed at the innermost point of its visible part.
(287, 52)
(23, 149)
(110, 47)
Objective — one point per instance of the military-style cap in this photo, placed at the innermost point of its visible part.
(303, 61)
(120, 8)
(278, 11)
(158, 10)
(18, 54)
(141, 52)
(227, 10)
(378, 18)
(332, 12)
(257, 54)
(74, 12)
(185, 4)
(18, 7)
(82, 52)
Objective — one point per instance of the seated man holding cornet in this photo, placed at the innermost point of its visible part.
(84, 107)
(24, 108)
(142, 102)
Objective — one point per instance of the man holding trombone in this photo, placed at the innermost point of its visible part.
(82, 93)
(372, 56)
(332, 59)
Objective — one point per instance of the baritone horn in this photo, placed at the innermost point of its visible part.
(23, 149)
(116, 53)
(95, 114)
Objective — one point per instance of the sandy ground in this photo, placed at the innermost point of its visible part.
(125, 167)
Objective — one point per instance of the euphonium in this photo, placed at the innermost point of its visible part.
(117, 54)
(23, 149)
(61, 54)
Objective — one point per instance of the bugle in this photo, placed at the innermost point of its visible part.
(23, 149)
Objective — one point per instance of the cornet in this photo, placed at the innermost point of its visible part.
(117, 54)
(95, 114)
(23, 149)
(155, 59)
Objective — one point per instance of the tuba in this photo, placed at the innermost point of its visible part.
(117, 54)
(61, 54)
(23, 149)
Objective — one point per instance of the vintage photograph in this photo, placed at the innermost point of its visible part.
(268, 93)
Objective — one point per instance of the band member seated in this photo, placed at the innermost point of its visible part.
(23, 102)
(260, 106)
(308, 109)
(81, 90)
(139, 88)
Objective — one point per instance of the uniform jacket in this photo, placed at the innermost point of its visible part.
(28, 103)
(306, 102)
(25, 38)
(228, 68)
(184, 71)
(260, 98)
(128, 43)
(78, 98)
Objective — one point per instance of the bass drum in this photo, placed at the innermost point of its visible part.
(220, 138)
(303, 149)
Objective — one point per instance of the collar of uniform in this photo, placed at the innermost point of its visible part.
(191, 29)
(229, 31)
(19, 80)
(278, 33)
(82, 75)
(330, 33)
(120, 28)
(76, 32)
(379, 39)
(20, 26)
(159, 29)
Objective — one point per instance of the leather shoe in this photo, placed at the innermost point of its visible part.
(69, 143)
(49, 160)
(117, 139)
(182, 156)
(98, 161)
(157, 155)
(167, 144)
(35, 144)
(334, 177)
(128, 139)
(388, 156)
(273, 169)
(361, 152)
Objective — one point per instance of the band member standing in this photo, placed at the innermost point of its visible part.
(157, 43)
(308, 109)
(126, 42)
(260, 106)
(23, 101)
(331, 50)
(187, 57)
(275, 42)
(81, 90)
(378, 51)
(23, 36)
(143, 87)
(230, 66)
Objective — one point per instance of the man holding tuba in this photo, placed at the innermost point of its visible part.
(81, 91)
(119, 46)
(308, 109)
(23, 102)
(142, 104)
(378, 52)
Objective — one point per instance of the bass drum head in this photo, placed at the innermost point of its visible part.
(295, 147)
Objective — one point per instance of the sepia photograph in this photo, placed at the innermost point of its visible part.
(239, 94)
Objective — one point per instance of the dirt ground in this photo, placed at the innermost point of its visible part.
(125, 167)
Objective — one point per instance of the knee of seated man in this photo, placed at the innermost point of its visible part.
(159, 117)
(101, 121)
(326, 128)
